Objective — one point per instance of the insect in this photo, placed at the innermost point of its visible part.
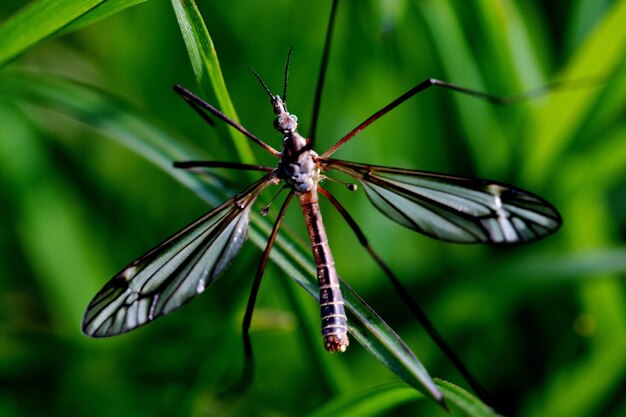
(445, 207)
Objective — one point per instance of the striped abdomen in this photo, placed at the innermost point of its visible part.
(334, 322)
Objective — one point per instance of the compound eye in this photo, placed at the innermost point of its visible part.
(277, 122)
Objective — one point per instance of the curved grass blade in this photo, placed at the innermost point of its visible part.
(120, 122)
(42, 19)
(504, 27)
(368, 402)
(103, 10)
(470, 405)
(482, 129)
(454, 209)
(383, 399)
(558, 121)
(364, 324)
(206, 68)
(38, 21)
(371, 331)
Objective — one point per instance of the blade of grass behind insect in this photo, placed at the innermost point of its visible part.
(37, 21)
(102, 11)
(207, 69)
(481, 128)
(602, 167)
(526, 275)
(557, 122)
(120, 122)
(42, 19)
(381, 400)
(117, 119)
(369, 402)
(518, 66)
(594, 379)
(587, 177)
(52, 233)
(583, 15)
(365, 325)
(334, 373)
(470, 405)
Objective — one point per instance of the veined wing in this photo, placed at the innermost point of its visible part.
(454, 209)
(175, 271)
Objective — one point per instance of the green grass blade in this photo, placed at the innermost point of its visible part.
(482, 129)
(122, 123)
(48, 212)
(518, 66)
(102, 11)
(558, 121)
(40, 20)
(115, 118)
(365, 325)
(462, 399)
(383, 399)
(369, 402)
(206, 68)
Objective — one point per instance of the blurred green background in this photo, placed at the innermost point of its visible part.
(543, 327)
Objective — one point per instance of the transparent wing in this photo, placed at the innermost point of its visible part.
(175, 271)
(454, 209)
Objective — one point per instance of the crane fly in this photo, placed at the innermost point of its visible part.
(444, 207)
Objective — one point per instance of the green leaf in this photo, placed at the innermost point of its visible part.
(477, 117)
(382, 399)
(206, 68)
(63, 220)
(40, 20)
(559, 119)
(470, 405)
(123, 124)
(369, 402)
(365, 325)
(102, 11)
(117, 119)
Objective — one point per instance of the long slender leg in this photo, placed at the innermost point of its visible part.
(190, 97)
(322, 74)
(412, 305)
(199, 110)
(221, 164)
(248, 370)
(499, 100)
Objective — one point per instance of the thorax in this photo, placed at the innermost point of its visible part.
(298, 164)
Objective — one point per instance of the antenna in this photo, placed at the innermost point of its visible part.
(258, 77)
(287, 74)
